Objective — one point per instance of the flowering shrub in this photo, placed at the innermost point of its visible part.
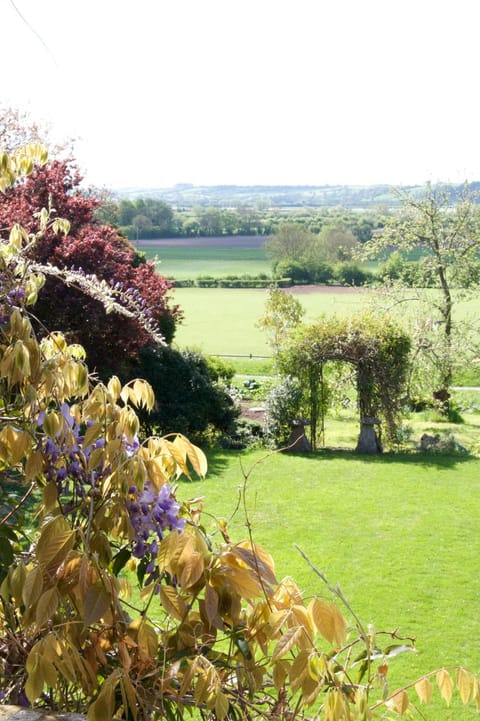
(214, 629)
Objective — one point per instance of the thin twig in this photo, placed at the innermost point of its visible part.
(19, 504)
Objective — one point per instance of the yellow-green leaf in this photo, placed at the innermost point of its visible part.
(35, 681)
(34, 465)
(172, 602)
(114, 387)
(400, 701)
(97, 602)
(298, 670)
(103, 708)
(221, 706)
(287, 642)
(445, 684)
(280, 673)
(56, 540)
(33, 586)
(46, 606)
(464, 685)
(329, 621)
(192, 570)
(211, 604)
(48, 671)
(92, 433)
(424, 690)
(147, 640)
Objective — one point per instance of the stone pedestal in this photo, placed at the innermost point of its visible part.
(298, 441)
(368, 440)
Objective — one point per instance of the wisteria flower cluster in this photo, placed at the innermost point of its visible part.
(114, 297)
(14, 298)
(66, 461)
(152, 512)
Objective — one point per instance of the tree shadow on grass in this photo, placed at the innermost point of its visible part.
(217, 460)
(415, 458)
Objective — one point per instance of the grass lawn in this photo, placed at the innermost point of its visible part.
(399, 533)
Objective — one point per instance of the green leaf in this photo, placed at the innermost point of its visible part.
(121, 558)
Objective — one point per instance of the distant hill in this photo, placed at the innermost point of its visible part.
(185, 195)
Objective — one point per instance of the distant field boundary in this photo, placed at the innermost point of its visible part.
(251, 356)
(222, 241)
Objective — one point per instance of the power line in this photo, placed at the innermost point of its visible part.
(32, 30)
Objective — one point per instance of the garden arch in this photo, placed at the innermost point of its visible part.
(379, 351)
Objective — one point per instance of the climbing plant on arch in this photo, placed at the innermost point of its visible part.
(377, 347)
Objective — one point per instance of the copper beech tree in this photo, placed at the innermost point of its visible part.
(212, 627)
(109, 339)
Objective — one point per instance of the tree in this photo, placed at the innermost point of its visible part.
(282, 314)
(111, 343)
(140, 224)
(290, 243)
(445, 226)
(336, 243)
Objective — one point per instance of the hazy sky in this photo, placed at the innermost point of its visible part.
(251, 91)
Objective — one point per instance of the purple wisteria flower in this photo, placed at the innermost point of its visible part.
(152, 513)
(66, 460)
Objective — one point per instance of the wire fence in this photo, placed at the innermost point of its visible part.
(238, 355)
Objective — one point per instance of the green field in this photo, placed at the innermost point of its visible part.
(400, 534)
(185, 262)
(222, 321)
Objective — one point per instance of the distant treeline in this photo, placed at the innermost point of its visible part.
(149, 218)
(279, 196)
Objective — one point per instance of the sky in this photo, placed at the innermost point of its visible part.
(268, 92)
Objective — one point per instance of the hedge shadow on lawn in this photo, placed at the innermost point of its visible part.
(437, 460)
(216, 464)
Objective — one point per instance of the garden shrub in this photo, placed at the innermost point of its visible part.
(351, 274)
(220, 370)
(190, 398)
(282, 405)
(299, 272)
(246, 433)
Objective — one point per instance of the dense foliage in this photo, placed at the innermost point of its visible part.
(191, 398)
(307, 257)
(109, 340)
(151, 217)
